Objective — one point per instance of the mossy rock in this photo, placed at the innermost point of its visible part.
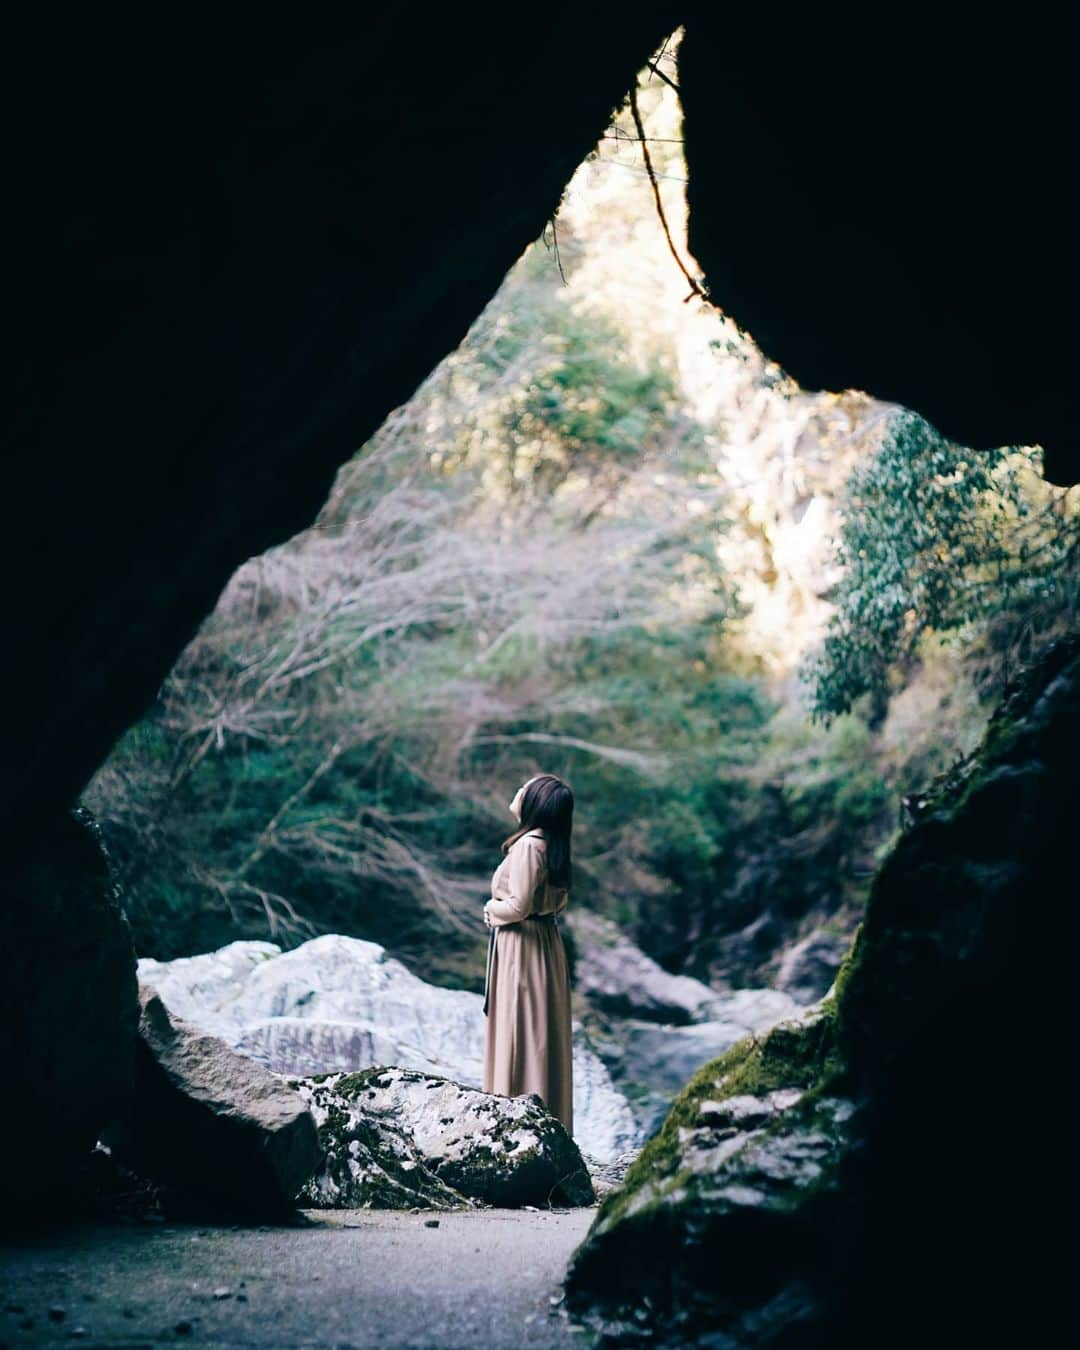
(882, 1205)
(754, 1137)
(399, 1138)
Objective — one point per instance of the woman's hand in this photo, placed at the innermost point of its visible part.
(487, 919)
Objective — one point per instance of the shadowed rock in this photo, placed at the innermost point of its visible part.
(217, 1129)
(395, 1138)
(68, 1014)
(841, 1181)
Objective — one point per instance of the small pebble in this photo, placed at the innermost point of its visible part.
(241, 1298)
(223, 1292)
(183, 1328)
(77, 1332)
(57, 1314)
(431, 1223)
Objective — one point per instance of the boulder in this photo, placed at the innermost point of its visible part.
(342, 1004)
(844, 1180)
(744, 1145)
(220, 1132)
(68, 1013)
(395, 1138)
(617, 976)
(808, 967)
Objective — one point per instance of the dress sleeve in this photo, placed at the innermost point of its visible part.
(526, 866)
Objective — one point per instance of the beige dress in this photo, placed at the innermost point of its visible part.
(527, 1044)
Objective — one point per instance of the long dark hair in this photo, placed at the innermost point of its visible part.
(548, 805)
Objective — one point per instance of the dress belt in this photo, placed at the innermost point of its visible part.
(550, 918)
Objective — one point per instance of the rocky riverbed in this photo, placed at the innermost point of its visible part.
(340, 1004)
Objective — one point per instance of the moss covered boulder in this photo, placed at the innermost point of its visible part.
(396, 1138)
(700, 1232)
(882, 1172)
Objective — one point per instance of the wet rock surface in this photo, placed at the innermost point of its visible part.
(216, 1129)
(395, 1138)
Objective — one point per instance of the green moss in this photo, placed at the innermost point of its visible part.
(798, 1054)
(847, 965)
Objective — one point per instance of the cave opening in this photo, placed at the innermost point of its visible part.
(607, 537)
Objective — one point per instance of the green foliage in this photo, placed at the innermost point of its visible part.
(935, 538)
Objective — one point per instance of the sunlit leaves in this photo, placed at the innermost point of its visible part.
(935, 537)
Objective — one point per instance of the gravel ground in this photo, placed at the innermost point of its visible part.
(481, 1278)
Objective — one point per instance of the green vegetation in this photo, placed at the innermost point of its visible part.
(593, 543)
(940, 539)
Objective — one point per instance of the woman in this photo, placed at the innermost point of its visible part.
(527, 992)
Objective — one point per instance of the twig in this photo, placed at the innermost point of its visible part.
(666, 78)
(554, 248)
(695, 289)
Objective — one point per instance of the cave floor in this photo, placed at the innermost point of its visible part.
(345, 1278)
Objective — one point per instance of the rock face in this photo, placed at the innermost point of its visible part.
(339, 1003)
(218, 1130)
(744, 1145)
(68, 1014)
(269, 389)
(813, 293)
(395, 1138)
(836, 1182)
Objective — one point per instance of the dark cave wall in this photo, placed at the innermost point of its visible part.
(232, 248)
(887, 207)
